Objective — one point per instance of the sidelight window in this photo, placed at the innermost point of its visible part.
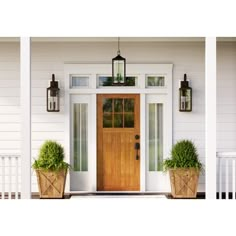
(155, 138)
(80, 139)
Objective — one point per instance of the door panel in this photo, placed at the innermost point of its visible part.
(118, 121)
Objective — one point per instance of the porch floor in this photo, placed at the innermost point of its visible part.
(119, 195)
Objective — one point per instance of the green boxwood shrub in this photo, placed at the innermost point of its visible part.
(51, 156)
(183, 155)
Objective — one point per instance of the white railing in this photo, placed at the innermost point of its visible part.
(226, 174)
(9, 174)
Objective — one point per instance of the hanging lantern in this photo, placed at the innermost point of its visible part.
(53, 96)
(118, 68)
(185, 96)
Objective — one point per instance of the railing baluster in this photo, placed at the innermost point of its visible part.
(9, 166)
(233, 179)
(3, 177)
(220, 179)
(16, 178)
(226, 178)
(9, 177)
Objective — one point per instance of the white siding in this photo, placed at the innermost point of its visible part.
(9, 98)
(226, 101)
(49, 58)
(226, 96)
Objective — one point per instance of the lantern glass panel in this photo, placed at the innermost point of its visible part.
(53, 99)
(185, 102)
(119, 71)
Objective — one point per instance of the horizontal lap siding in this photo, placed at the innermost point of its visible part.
(9, 110)
(49, 58)
(226, 104)
(226, 96)
(9, 98)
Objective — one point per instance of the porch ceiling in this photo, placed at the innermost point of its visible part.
(106, 39)
(114, 39)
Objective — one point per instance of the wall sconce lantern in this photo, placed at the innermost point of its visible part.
(53, 96)
(185, 96)
(118, 68)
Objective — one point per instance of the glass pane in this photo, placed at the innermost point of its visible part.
(107, 120)
(129, 120)
(185, 99)
(105, 81)
(119, 66)
(155, 81)
(130, 81)
(84, 141)
(118, 105)
(107, 105)
(108, 81)
(79, 81)
(129, 105)
(151, 137)
(118, 120)
(155, 139)
(80, 139)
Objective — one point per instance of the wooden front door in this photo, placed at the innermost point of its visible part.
(118, 162)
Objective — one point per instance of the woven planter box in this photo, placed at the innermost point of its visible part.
(184, 182)
(51, 184)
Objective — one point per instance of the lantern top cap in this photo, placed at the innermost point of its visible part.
(118, 58)
(184, 83)
(53, 83)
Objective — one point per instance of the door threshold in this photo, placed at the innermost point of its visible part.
(105, 194)
(116, 193)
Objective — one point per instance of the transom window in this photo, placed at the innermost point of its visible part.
(155, 81)
(79, 81)
(106, 81)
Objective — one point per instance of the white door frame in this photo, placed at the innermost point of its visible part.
(92, 71)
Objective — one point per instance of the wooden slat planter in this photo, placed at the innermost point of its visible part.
(51, 184)
(184, 182)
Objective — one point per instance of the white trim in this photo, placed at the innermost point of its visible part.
(140, 70)
(157, 180)
(67, 128)
(118, 90)
(142, 143)
(93, 145)
(210, 81)
(25, 89)
(84, 177)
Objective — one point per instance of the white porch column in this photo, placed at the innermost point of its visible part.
(210, 82)
(25, 78)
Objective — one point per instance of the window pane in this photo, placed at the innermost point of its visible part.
(118, 105)
(129, 120)
(118, 120)
(155, 139)
(130, 81)
(107, 120)
(129, 105)
(104, 81)
(80, 139)
(107, 105)
(155, 81)
(79, 81)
